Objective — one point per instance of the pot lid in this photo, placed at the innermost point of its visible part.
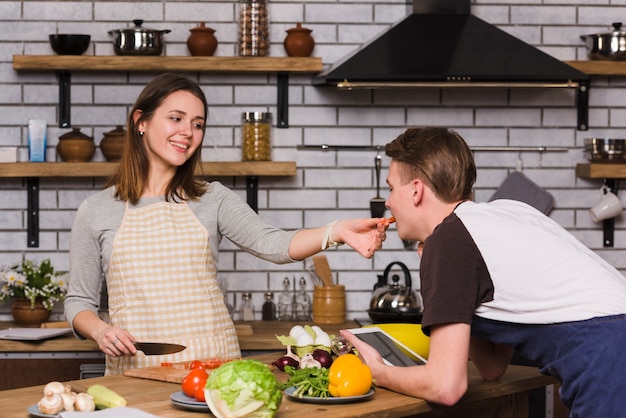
(617, 31)
(118, 131)
(75, 133)
(138, 29)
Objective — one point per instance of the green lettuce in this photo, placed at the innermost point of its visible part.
(243, 388)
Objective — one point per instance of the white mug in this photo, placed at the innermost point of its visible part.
(609, 206)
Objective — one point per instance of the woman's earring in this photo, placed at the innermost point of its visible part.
(140, 133)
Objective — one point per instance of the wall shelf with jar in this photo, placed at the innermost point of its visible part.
(252, 170)
(65, 64)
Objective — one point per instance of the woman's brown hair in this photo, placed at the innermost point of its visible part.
(437, 156)
(132, 174)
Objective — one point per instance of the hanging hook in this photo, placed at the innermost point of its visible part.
(520, 163)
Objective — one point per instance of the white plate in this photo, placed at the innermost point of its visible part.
(331, 400)
(34, 411)
(184, 401)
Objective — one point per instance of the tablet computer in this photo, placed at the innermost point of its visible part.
(393, 352)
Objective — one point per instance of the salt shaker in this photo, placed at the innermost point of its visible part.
(247, 309)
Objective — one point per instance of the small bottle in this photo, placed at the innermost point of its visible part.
(247, 309)
(285, 302)
(303, 303)
(269, 308)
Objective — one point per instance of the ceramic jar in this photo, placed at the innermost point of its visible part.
(202, 41)
(299, 42)
(75, 146)
(112, 143)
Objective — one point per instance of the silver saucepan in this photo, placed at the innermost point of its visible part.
(607, 46)
(138, 40)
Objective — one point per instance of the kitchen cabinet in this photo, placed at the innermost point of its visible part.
(610, 174)
(65, 64)
(33, 171)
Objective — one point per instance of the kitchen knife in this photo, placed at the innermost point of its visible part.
(151, 349)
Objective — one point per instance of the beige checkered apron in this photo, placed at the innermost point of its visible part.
(162, 287)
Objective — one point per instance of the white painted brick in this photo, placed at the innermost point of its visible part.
(371, 117)
(513, 116)
(47, 10)
(554, 15)
(440, 117)
(348, 13)
(10, 10)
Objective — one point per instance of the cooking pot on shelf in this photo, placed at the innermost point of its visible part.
(394, 302)
(138, 40)
(607, 46)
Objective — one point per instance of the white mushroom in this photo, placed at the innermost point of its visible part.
(51, 404)
(84, 403)
(68, 401)
(54, 387)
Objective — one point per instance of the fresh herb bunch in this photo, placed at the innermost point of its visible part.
(310, 381)
(33, 282)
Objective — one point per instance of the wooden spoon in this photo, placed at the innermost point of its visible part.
(322, 268)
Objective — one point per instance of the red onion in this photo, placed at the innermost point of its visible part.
(323, 357)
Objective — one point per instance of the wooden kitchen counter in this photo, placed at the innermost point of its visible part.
(253, 336)
(506, 397)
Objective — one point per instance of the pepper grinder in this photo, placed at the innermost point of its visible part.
(269, 308)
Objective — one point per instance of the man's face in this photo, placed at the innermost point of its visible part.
(401, 201)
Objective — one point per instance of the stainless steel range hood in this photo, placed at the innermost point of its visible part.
(441, 44)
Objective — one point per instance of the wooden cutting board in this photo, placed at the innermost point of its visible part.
(177, 372)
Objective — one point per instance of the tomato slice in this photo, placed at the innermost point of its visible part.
(213, 363)
(167, 364)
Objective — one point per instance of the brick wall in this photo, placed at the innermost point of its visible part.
(328, 185)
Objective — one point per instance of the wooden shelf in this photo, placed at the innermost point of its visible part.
(599, 67)
(164, 63)
(601, 171)
(33, 171)
(65, 64)
(105, 169)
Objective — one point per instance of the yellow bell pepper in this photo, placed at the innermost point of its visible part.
(348, 376)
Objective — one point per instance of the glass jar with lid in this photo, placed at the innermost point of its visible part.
(254, 39)
(256, 136)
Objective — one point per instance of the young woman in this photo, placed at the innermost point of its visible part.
(153, 235)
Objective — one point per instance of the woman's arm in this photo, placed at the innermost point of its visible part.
(442, 380)
(365, 235)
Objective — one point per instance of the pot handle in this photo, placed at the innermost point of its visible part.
(405, 269)
(138, 22)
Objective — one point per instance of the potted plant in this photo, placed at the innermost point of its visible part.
(35, 289)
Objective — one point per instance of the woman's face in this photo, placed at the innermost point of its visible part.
(175, 130)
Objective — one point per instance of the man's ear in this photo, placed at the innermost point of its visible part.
(417, 191)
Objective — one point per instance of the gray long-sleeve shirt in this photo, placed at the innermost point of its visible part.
(99, 217)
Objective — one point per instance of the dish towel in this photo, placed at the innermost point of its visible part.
(519, 187)
(119, 412)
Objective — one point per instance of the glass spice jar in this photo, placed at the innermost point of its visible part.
(256, 136)
(254, 39)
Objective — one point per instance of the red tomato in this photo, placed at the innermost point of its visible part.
(200, 394)
(196, 364)
(195, 379)
(167, 364)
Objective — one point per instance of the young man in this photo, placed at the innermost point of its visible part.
(498, 277)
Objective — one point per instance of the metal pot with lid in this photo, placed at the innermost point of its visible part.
(138, 40)
(607, 46)
(395, 302)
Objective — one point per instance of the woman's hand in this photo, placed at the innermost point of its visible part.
(365, 235)
(116, 342)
